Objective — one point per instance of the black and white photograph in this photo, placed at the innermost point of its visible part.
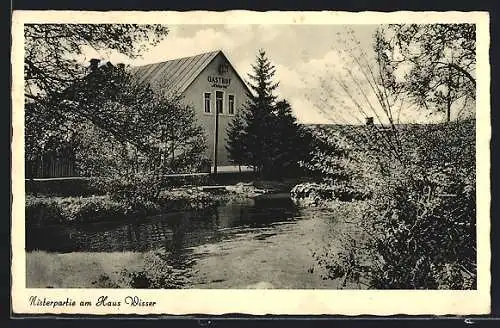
(288, 155)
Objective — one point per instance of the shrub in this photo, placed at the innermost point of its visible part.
(134, 190)
(92, 209)
(310, 193)
(186, 199)
(158, 272)
(104, 281)
(416, 235)
(44, 210)
(418, 230)
(51, 210)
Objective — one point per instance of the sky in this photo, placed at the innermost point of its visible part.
(309, 60)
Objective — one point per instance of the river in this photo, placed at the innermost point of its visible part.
(249, 243)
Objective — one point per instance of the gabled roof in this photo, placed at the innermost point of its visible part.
(176, 75)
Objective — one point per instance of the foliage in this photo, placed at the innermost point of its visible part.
(160, 271)
(310, 193)
(290, 142)
(52, 210)
(68, 210)
(418, 230)
(265, 134)
(53, 50)
(187, 199)
(42, 211)
(128, 134)
(52, 64)
(434, 64)
(337, 164)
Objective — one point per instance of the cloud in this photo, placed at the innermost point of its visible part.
(172, 47)
(308, 60)
(305, 111)
(289, 78)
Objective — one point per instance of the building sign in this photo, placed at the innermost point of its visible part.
(219, 81)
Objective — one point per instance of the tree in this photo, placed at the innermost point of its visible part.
(265, 135)
(52, 50)
(416, 225)
(51, 67)
(290, 142)
(258, 112)
(434, 64)
(132, 135)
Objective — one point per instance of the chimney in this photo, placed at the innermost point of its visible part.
(94, 63)
(369, 121)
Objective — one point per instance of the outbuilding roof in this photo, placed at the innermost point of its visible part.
(177, 74)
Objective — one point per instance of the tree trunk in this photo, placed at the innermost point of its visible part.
(448, 98)
(448, 109)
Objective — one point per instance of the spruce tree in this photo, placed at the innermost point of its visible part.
(265, 134)
(288, 150)
(259, 111)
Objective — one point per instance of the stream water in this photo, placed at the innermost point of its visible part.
(251, 243)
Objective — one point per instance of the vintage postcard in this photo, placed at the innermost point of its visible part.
(294, 163)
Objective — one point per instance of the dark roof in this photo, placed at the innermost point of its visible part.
(174, 75)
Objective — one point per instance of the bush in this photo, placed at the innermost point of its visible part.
(186, 199)
(416, 235)
(135, 191)
(138, 191)
(310, 193)
(42, 211)
(92, 209)
(52, 210)
(418, 230)
(158, 272)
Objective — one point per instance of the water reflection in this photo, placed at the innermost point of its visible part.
(176, 232)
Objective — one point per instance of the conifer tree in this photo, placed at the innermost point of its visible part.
(265, 135)
(259, 111)
(290, 142)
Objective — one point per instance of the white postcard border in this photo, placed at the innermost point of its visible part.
(301, 302)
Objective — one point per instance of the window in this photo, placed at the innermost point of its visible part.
(230, 104)
(219, 101)
(206, 98)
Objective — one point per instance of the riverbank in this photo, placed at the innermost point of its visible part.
(78, 269)
(47, 210)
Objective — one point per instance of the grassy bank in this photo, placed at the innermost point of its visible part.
(77, 270)
(152, 269)
(49, 209)
(43, 210)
